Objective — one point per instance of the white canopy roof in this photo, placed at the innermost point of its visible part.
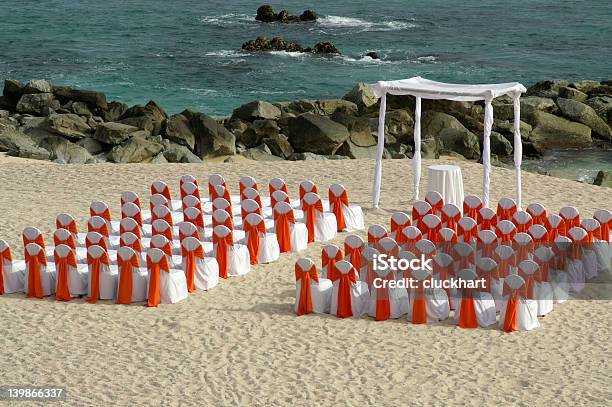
(427, 89)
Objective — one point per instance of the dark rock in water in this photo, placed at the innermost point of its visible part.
(266, 14)
(604, 179)
(12, 91)
(285, 17)
(603, 106)
(135, 150)
(308, 15)
(325, 48)
(600, 91)
(316, 134)
(95, 100)
(372, 55)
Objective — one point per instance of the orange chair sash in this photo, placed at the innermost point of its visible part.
(63, 264)
(96, 265)
(35, 288)
(344, 294)
(305, 304)
(337, 204)
(124, 294)
(154, 272)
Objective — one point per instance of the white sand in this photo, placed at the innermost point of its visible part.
(241, 344)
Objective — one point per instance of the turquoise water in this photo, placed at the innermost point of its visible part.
(579, 165)
(188, 54)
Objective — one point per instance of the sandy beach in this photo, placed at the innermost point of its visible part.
(241, 343)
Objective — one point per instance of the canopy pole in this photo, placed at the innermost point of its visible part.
(379, 151)
(416, 158)
(518, 148)
(486, 151)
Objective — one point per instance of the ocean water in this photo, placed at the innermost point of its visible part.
(186, 53)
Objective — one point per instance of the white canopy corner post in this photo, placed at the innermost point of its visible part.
(380, 147)
(486, 151)
(518, 148)
(424, 88)
(416, 157)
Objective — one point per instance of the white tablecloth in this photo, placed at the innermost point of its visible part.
(447, 180)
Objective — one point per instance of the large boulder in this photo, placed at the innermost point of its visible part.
(30, 151)
(37, 86)
(325, 47)
(547, 88)
(212, 139)
(114, 133)
(35, 103)
(325, 107)
(430, 147)
(94, 147)
(12, 92)
(175, 153)
(358, 127)
(81, 109)
(461, 141)
(603, 106)
(150, 117)
(399, 125)
(95, 100)
(316, 134)
(261, 129)
(143, 123)
(500, 145)
(13, 139)
(279, 146)
(604, 179)
(550, 131)
(67, 125)
(135, 150)
(585, 114)
(114, 112)
(602, 90)
(362, 95)
(352, 150)
(260, 153)
(256, 110)
(65, 152)
(585, 85)
(572, 93)
(308, 15)
(178, 130)
(432, 123)
(538, 103)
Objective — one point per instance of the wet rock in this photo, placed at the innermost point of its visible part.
(372, 55)
(308, 15)
(266, 14)
(547, 88)
(604, 179)
(325, 47)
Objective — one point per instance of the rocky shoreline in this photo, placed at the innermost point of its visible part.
(69, 125)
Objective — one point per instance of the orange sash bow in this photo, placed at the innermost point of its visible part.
(135, 245)
(103, 229)
(305, 304)
(71, 227)
(488, 224)
(522, 227)
(344, 294)
(63, 264)
(354, 255)
(124, 294)
(383, 306)
(506, 214)
(468, 235)
(330, 263)
(337, 204)
(310, 212)
(253, 233)
(467, 310)
(304, 192)
(227, 223)
(223, 244)
(539, 219)
(431, 233)
(35, 288)
(106, 215)
(419, 304)
(154, 271)
(96, 266)
(190, 265)
(451, 221)
(138, 218)
(511, 310)
(505, 237)
(570, 223)
(101, 243)
(5, 256)
(473, 213)
(283, 223)
(39, 240)
(417, 217)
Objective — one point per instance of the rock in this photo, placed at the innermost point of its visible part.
(279, 146)
(352, 150)
(254, 135)
(584, 86)
(178, 129)
(307, 157)
(325, 107)
(114, 112)
(114, 133)
(500, 146)
(432, 123)
(67, 125)
(547, 88)
(134, 150)
(37, 86)
(260, 153)
(537, 103)
(602, 106)
(265, 14)
(4, 114)
(64, 151)
(430, 147)
(12, 92)
(461, 141)
(316, 134)
(358, 127)
(13, 139)
(372, 55)
(30, 151)
(256, 110)
(81, 109)
(399, 124)
(325, 48)
(160, 159)
(95, 100)
(36, 102)
(604, 179)
(506, 128)
(150, 115)
(585, 114)
(275, 44)
(212, 139)
(176, 153)
(601, 90)
(362, 95)
(572, 93)
(143, 123)
(237, 127)
(550, 131)
(92, 146)
(308, 15)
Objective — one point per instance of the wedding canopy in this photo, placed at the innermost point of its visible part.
(423, 88)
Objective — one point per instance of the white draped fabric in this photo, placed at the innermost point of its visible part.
(423, 88)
